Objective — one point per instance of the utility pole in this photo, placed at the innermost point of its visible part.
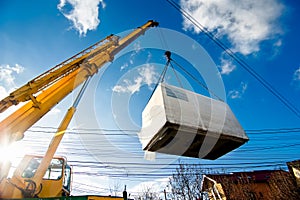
(125, 193)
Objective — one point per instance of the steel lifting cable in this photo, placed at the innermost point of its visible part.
(162, 39)
(190, 75)
(162, 76)
(177, 77)
(167, 54)
(169, 59)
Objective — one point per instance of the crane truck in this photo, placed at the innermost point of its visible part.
(50, 176)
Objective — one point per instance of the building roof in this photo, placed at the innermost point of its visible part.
(256, 176)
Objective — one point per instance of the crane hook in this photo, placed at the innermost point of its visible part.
(168, 55)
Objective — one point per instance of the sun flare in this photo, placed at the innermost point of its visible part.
(11, 153)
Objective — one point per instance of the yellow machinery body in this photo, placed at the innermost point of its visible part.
(55, 182)
(48, 176)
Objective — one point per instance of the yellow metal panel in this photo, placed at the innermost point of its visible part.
(13, 127)
(51, 188)
(104, 198)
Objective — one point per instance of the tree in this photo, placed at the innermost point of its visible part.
(115, 189)
(277, 184)
(186, 182)
(147, 193)
(283, 186)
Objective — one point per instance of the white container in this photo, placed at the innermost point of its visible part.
(180, 122)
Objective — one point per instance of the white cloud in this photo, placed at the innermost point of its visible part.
(145, 75)
(278, 43)
(136, 49)
(124, 66)
(7, 78)
(296, 76)
(7, 75)
(296, 79)
(226, 66)
(84, 13)
(149, 56)
(237, 94)
(54, 111)
(3, 92)
(244, 23)
(148, 74)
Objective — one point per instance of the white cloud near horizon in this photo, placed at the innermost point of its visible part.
(154, 185)
(145, 75)
(7, 78)
(84, 14)
(244, 23)
(237, 94)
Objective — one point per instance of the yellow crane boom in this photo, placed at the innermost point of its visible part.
(58, 82)
(49, 77)
(42, 94)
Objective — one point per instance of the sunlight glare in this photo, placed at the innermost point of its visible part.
(11, 153)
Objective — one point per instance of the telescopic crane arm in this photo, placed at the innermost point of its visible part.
(27, 91)
(43, 93)
(48, 89)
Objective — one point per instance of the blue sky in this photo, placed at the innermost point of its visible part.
(36, 36)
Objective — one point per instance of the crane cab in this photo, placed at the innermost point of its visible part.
(56, 181)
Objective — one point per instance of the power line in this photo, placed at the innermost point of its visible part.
(132, 147)
(164, 174)
(273, 160)
(87, 129)
(97, 130)
(268, 148)
(147, 165)
(274, 130)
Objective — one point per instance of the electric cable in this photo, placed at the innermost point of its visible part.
(248, 131)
